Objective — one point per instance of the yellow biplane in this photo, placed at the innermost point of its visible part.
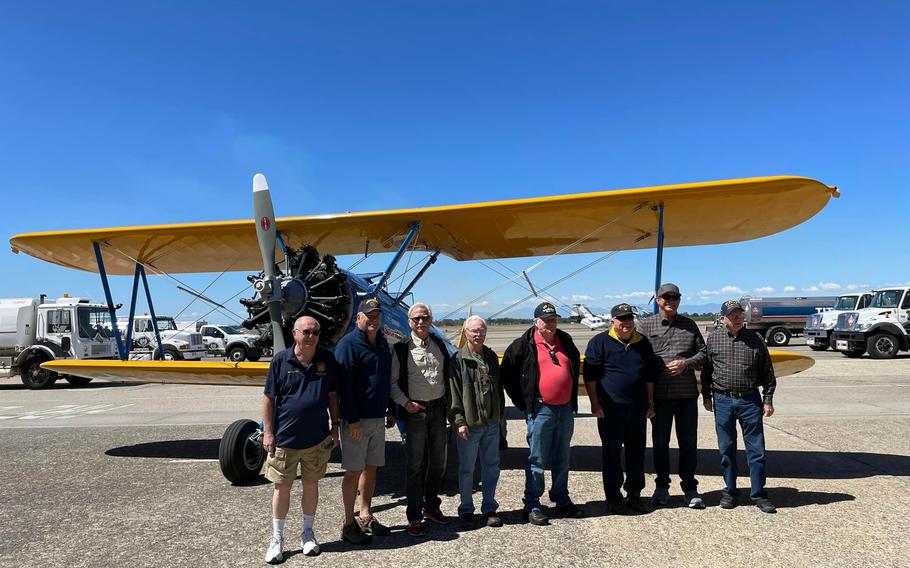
(294, 280)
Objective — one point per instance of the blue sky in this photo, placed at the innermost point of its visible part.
(160, 112)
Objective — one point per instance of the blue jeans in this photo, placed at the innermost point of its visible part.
(748, 412)
(485, 442)
(550, 431)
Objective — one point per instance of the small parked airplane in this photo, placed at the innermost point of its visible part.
(593, 321)
(295, 280)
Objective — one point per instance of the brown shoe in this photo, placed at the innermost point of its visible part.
(373, 527)
(417, 528)
(493, 519)
(354, 534)
(436, 516)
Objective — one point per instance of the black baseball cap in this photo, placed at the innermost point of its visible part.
(545, 310)
(369, 305)
(621, 310)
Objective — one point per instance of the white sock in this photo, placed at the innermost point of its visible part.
(278, 528)
(308, 521)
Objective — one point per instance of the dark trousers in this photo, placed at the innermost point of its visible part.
(623, 425)
(685, 413)
(426, 457)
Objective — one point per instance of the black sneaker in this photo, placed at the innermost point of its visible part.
(466, 522)
(618, 508)
(373, 527)
(492, 519)
(727, 501)
(635, 504)
(535, 517)
(570, 511)
(765, 505)
(436, 516)
(354, 534)
(417, 529)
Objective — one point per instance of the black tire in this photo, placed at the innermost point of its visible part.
(253, 356)
(818, 347)
(236, 354)
(34, 377)
(170, 354)
(239, 456)
(77, 381)
(882, 346)
(855, 354)
(777, 336)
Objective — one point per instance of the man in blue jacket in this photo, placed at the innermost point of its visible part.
(366, 364)
(620, 370)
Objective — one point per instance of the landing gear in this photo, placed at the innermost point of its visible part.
(240, 453)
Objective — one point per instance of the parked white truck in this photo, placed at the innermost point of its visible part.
(178, 343)
(33, 331)
(881, 329)
(231, 341)
(779, 319)
(820, 326)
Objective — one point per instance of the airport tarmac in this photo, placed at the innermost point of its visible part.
(127, 475)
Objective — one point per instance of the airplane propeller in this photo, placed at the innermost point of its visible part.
(265, 231)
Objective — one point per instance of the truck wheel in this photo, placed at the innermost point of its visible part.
(34, 377)
(77, 381)
(778, 336)
(170, 354)
(883, 346)
(240, 453)
(253, 356)
(236, 354)
(853, 354)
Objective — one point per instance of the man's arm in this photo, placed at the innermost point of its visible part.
(767, 379)
(334, 416)
(456, 402)
(707, 373)
(268, 419)
(510, 372)
(593, 373)
(697, 361)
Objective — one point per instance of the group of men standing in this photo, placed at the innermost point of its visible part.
(630, 375)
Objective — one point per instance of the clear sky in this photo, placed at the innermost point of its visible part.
(160, 112)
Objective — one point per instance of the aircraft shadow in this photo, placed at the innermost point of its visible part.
(63, 385)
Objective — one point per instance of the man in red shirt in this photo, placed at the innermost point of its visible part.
(540, 374)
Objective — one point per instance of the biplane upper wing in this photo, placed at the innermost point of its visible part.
(253, 374)
(694, 214)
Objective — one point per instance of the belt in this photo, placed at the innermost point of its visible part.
(737, 394)
(428, 403)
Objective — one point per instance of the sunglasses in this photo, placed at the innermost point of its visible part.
(308, 332)
(625, 318)
(419, 319)
(554, 358)
(671, 297)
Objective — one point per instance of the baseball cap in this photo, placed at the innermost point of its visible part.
(369, 305)
(729, 307)
(621, 310)
(668, 288)
(545, 310)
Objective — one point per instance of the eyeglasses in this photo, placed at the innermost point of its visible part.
(420, 319)
(554, 358)
(671, 297)
(625, 319)
(480, 331)
(308, 332)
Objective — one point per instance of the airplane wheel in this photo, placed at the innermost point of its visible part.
(78, 381)
(240, 453)
(34, 377)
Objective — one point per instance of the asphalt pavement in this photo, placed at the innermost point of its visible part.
(127, 475)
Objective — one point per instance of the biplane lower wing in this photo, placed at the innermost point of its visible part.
(253, 374)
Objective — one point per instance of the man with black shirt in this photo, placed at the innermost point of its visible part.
(738, 364)
(678, 342)
(620, 370)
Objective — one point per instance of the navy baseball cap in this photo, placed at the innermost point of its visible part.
(621, 310)
(369, 305)
(545, 310)
(729, 307)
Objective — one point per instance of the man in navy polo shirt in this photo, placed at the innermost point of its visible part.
(365, 359)
(620, 370)
(299, 396)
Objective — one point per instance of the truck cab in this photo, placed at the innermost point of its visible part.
(231, 341)
(881, 329)
(33, 332)
(820, 326)
(179, 344)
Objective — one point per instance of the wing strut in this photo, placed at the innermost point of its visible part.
(420, 274)
(660, 251)
(124, 354)
(415, 228)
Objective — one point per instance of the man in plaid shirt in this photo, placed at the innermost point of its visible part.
(677, 340)
(738, 364)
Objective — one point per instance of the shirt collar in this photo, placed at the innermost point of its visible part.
(636, 337)
(422, 343)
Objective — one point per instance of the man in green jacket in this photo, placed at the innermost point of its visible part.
(476, 406)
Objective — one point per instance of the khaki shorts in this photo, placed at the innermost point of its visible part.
(282, 467)
(368, 450)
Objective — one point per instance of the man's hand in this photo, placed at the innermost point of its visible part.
(709, 405)
(355, 430)
(413, 407)
(650, 412)
(389, 420)
(768, 410)
(268, 443)
(335, 435)
(596, 409)
(676, 367)
(464, 432)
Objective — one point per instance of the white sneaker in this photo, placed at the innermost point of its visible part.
(309, 544)
(274, 554)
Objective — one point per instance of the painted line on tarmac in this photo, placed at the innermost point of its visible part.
(66, 411)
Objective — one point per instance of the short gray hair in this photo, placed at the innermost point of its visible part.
(303, 319)
(475, 318)
(421, 305)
